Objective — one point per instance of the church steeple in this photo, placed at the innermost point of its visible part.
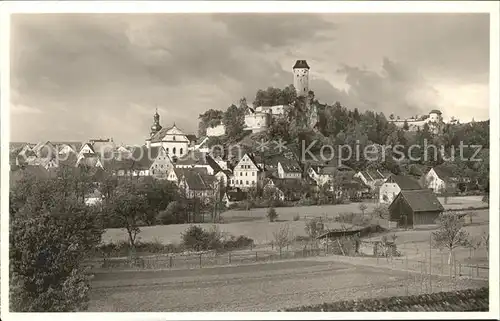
(156, 123)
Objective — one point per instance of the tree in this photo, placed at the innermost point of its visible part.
(391, 116)
(450, 234)
(362, 207)
(129, 209)
(485, 238)
(283, 237)
(50, 236)
(272, 215)
(158, 194)
(314, 228)
(234, 120)
(195, 238)
(381, 211)
(405, 126)
(173, 214)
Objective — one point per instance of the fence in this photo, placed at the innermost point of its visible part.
(422, 266)
(201, 260)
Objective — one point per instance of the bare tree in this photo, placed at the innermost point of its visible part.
(362, 207)
(283, 237)
(450, 234)
(485, 238)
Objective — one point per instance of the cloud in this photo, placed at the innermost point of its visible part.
(104, 75)
(23, 109)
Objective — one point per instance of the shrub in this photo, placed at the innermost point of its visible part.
(302, 238)
(463, 300)
(237, 243)
(195, 238)
(296, 217)
(272, 215)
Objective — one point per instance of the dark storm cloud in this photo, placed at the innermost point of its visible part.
(104, 74)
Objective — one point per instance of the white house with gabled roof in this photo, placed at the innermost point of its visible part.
(247, 173)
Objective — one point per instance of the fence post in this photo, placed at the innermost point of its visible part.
(256, 256)
(200, 260)
(229, 257)
(459, 269)
(477, 270)
(170, 263)
(407, 273)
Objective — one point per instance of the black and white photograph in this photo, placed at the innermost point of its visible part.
(265, 158)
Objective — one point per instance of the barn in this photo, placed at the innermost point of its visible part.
(415, 207)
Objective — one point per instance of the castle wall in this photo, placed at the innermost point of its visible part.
(216, 131)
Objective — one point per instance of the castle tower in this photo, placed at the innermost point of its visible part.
(301, 77)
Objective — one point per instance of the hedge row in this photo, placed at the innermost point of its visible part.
(464, 300)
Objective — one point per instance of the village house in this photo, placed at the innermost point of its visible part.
(395, 184)
(441, 179)
(325, 173)
(415, 207)
(233, 196)
(201, 144)
(372, 178)
(162, 163)
(288, 168)
(247, 173)
(195, 185)
(176, 174)
(284, 189)
(93, 198)
(197, 159)
(89, 160)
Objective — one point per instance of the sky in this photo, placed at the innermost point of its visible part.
(76, 77)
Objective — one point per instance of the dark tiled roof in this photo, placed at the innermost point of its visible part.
(143, 157)
(212, 163)
(404, 182)
(236, 196)
(181, 172)
(174, 130)
(445, 173)
(422, 200)
(191, 137)
(193, 157)
(198, 182)
(372, 175)
(301, 64)
(290, 166)
(287, 184)
(435, 111)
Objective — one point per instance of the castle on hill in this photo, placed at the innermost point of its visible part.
(434, 120)
(257, 119)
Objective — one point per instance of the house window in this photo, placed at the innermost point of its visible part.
(247, 182)
(246, 174)
(253, 173)
(181, 151)
(173, 150)
(167, 150)
(174, 137)
(241, 182)
(241, 173)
